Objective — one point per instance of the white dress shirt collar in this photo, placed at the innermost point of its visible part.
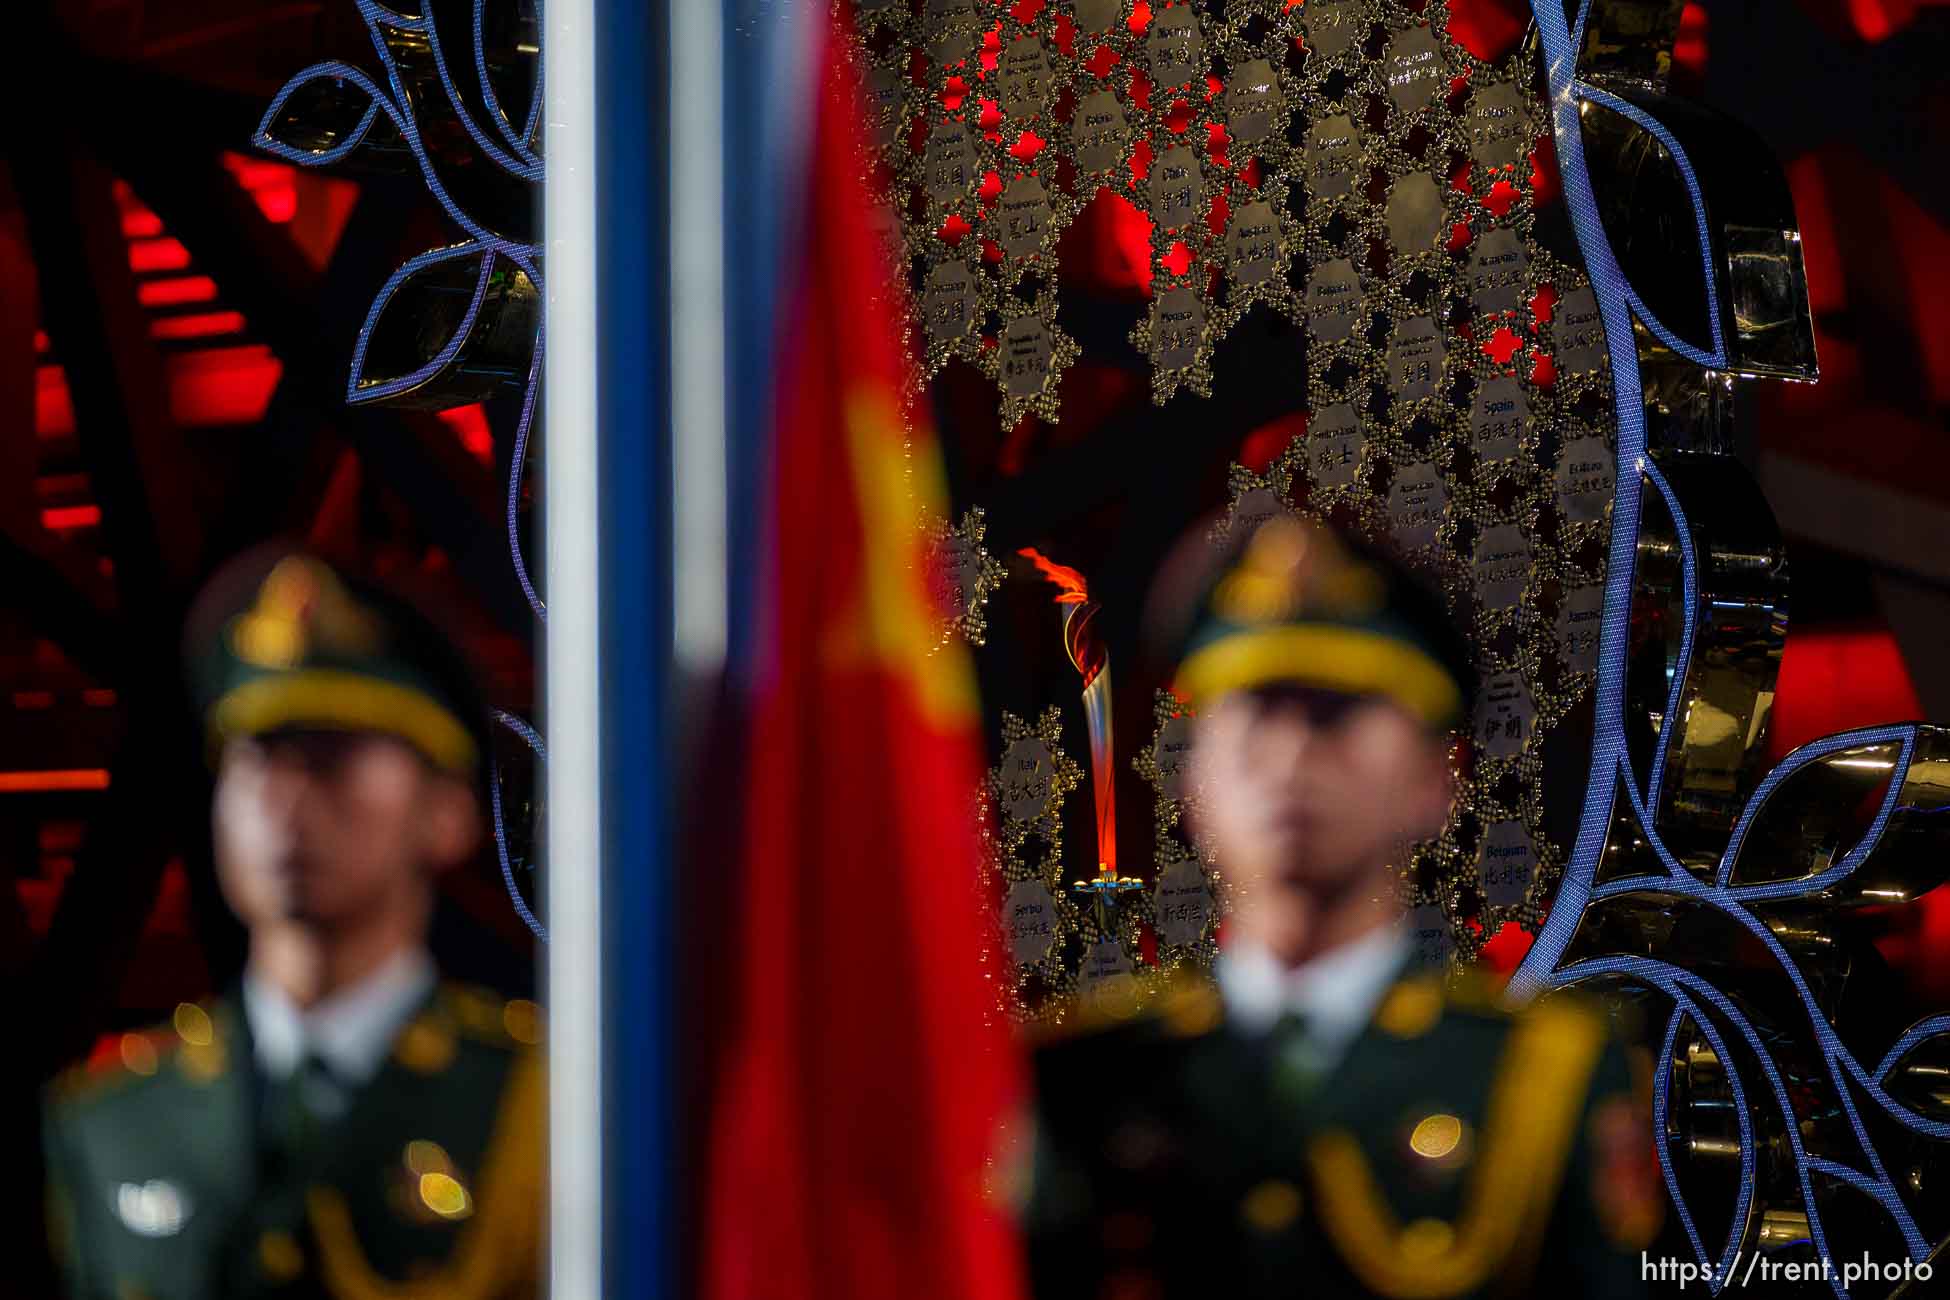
(351, 1030)
(1335, 994)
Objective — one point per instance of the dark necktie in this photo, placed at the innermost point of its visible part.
(300, 1107)
(1296, 1063)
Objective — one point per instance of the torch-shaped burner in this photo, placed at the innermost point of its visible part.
(1092, 662)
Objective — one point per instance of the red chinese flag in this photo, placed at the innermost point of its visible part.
(860, 1081)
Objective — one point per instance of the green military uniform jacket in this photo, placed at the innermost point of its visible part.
(430, 1185)
(1454, 1151)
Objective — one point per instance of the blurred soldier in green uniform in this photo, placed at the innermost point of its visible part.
(1329, 1121)
(342, 1124)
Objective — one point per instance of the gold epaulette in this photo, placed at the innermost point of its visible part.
(188, 1042)
(1184, 1006)
(511, 1023)
(1472, 989)
(96, 1078)
(1417, 1002)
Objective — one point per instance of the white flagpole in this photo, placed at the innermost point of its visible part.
(571, 688)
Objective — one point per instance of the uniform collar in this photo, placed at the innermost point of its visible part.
(351, 1030)
(1335, 994)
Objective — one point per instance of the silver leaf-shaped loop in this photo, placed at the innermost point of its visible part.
(515, 791)
(1853, 817)
(1696, 1059)
(325, 113)
(452, 326)
(1642, 167)
(513, 60)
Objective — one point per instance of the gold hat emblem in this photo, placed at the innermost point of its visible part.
(301, 604)
(1290, 566)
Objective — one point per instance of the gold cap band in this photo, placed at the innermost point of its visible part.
(1352, 660)
(350, 702)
